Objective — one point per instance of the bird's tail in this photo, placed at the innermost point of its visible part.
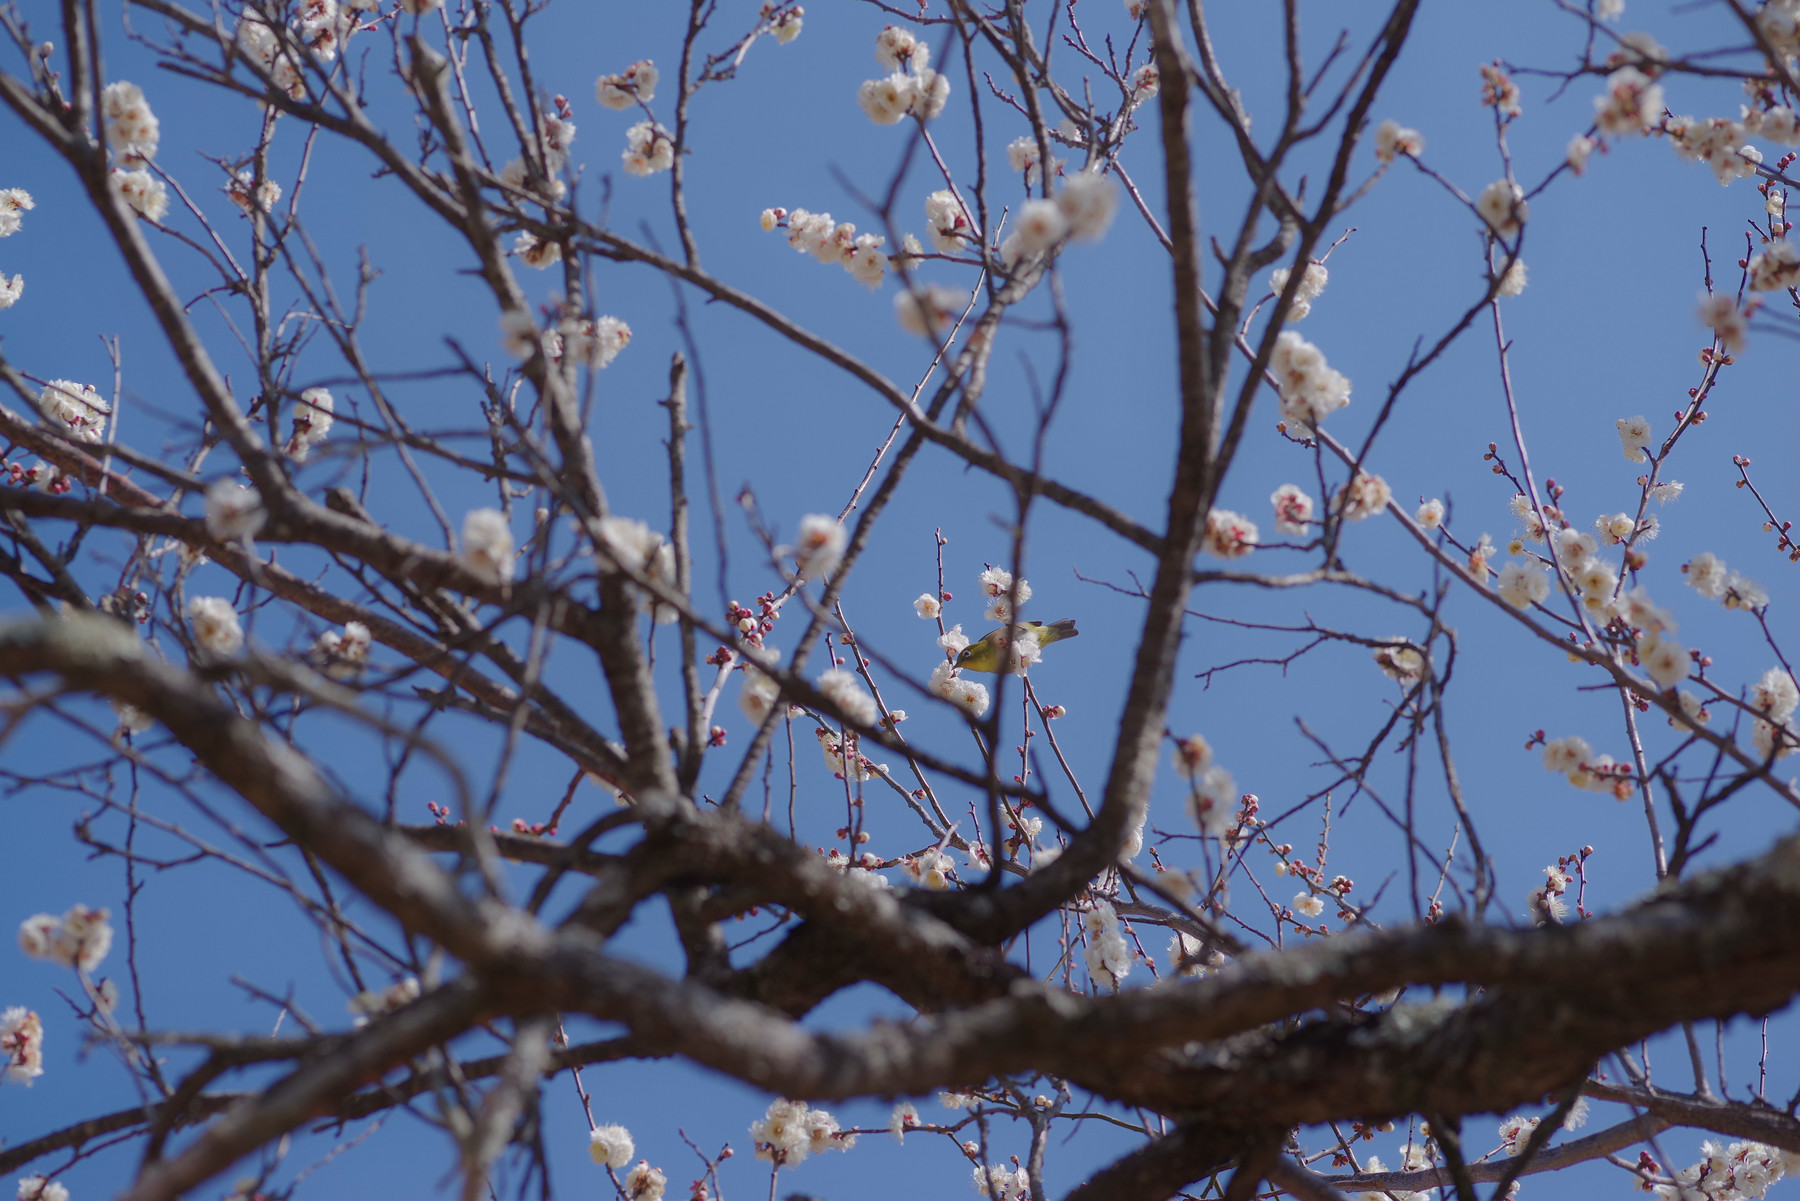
(1056, 631)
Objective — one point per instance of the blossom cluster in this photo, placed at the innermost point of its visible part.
(1729, 1173)
(832, 242)
(13, 201)
(790, 1131)
(21, 1045)
(80, 938)
(132, 130)
(1002, 593)
(1707, 575)
(853, 766)
(1312, 283)
(75, 408)
(911, 85)
(1232, 535)
(1310, 389)
(1575, 758)
(1108, 955)
(557, 133)
(342, 656)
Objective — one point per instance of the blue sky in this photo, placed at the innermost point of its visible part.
(1605, 330)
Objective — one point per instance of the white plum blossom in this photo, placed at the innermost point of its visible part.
(233, 511)
(1580, 147)
(953, 640)
(313, 419)
(36, 1188)
(536, 252)
(1040, 225)
(928, 606)
(923, 92)
(1393, 138)
(897, 48)
(1513, 282)
(1776, 269)
(1310, 389)
(1663, 659)
(930, 871)
(1145, 83)
(844, 690)
(520, 335)
(1228, 535)
(1293, 509)
(1631, 103)
(1108, 955)
(635, 84)
(1775, 694)
(21, 1045)
(789, 1132)
(645, 1183)
(1193, 756)
(1363, 497)
(342, 656)
(1634, 437)
(1213, 802)
(1307, 905)
(1706, 575)
(949, 224)
(649, 148)
(787, 25)
(1430, 515)
(1022, 155)
(487, 545)
(1741, 592)
(1400, 661)
(80, 938)
(147, 195)
(971, 696)
(10, 290)
(1718, 142)
(1002, 593)
(886, 100)
(216, 628)
(596, 342)
(1522, 585)
(1312, 283)
(75, 407)
(905, 1117)
(819, 547)
(928, 309)
(132, 130)
(1088, 200)
(1502, 205)
(243, 191)
(1514, 1131)
(611, 1146)
(1771, 741)
(13, 201)
(1002, 1184)
(760, 691)
(1730, 324)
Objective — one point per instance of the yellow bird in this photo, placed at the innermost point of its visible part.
(989, 652)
